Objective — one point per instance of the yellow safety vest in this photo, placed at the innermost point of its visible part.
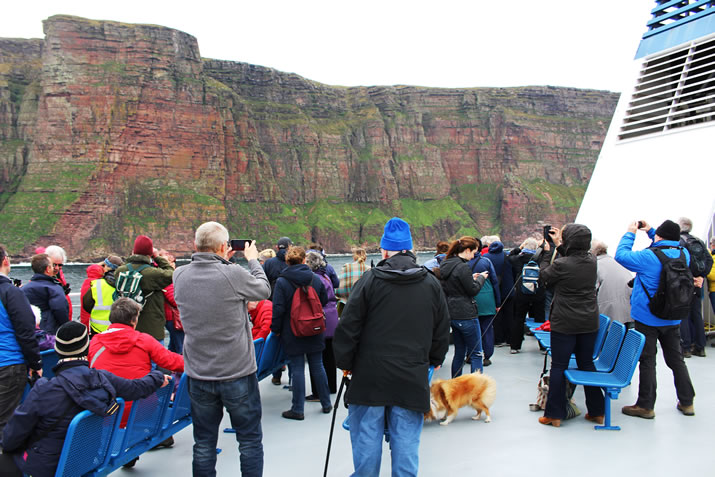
(102, 294)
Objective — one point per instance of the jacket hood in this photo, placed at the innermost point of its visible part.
(118, 338)
(90, 391)
(496, 247)
(298, 274)
(95, 272)
(401, 267)
(447, 267)
(576, 238)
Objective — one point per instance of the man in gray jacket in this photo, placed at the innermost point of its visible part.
(219, 356)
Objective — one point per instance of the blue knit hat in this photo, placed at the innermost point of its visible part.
(397, 235)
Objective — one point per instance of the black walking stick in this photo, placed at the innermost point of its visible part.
(344, 383)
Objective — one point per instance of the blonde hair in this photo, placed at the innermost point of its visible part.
(359, 255)
(295, 255)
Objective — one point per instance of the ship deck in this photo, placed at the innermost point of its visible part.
(514, 443)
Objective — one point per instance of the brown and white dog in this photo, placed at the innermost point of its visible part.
(446, 397)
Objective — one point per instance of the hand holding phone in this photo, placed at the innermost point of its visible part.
(239, 245)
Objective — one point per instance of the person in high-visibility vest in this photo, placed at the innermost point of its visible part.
(102, 294)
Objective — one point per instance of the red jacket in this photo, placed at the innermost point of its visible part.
(94, 272)
(261, 318)
(129, 354)
(171, 309)
(61, 278)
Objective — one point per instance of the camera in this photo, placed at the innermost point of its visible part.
(17, 282)
(239, 244)
(547, 234)
(641, 224)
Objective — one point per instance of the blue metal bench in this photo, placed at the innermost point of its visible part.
(612, 382)
(49, 360)
(258, 346)
(87, 446)
(272, 357)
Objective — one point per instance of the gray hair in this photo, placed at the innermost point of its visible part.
(598, 247)
(124, 311)
(531, 243)
(314, 260)
(209, 237)
(686, 225)
(56, 252)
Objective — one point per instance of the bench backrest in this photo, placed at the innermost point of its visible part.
(614, 338)
(145, 418)
(87, 443)
(628, 357)
(270, 356)
(258, 345)
(181, 405)
(603, 322)
(49, 360)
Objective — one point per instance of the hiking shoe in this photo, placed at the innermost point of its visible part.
(514, 351)
(290, 414)
(276, 381)
(596, 419)
(550, 421)
(168, 442)
(312, 398)
(686, 410)
(687, 354)
(637, 411)
(131, 463)
(327, 410)
(487, 362)
(700, 352)
(501, 345)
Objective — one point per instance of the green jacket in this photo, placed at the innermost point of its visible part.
(154, 280)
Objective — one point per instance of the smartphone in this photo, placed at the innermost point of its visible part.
(547, 229)
(239, 244)
(640, 224)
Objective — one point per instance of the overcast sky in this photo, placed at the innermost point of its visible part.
(579, 43)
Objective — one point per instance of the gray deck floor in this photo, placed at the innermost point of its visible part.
(513, 444)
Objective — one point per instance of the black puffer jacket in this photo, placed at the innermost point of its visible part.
(394, 326)
(572, 277)
(460, 288)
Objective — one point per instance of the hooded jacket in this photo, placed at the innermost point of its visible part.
(75, 388)
(274, 267)
(460, 288)
(154, 280)
(292, 277)
(517, 258)
(647, 268)
(488, 298)
(212, 294)
(94, 272)
(572, 277)
(129, 354)
(17, 335)
(502, 268)
(393, 327)
(47, 294)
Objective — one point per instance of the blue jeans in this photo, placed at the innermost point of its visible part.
(467, 336)
(486, 324)
(367, 426)
(296, 365)
(562, 346)
(242, 400)
(176, 338)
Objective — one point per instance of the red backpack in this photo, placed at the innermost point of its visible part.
(306, 313)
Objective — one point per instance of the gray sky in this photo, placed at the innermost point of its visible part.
(579, 43)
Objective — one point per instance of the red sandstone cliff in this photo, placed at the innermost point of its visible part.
(108, 130)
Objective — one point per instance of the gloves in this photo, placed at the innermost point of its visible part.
(66, 288)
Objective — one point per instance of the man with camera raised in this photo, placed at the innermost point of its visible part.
(17, 342)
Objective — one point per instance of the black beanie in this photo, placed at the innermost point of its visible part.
(669, 230)
(71, 340)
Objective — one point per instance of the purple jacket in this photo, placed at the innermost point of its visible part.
(331, 308)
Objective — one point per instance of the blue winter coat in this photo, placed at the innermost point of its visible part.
(75, 388)
(17, 334)
(47, 294)
(647, 268)
(292, 277)
(502, 268)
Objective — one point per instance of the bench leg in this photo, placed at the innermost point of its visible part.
(610, 394)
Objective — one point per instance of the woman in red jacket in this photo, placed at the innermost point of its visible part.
(261, 313)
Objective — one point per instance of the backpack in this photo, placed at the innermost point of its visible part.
(128, 284)
(530, 278)
(700, 259)
(306, 313)
(671, 300)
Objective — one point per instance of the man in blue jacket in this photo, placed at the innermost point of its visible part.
(46, 293)
(18, 346)
(647, 267)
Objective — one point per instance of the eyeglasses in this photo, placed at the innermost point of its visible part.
(57, 265)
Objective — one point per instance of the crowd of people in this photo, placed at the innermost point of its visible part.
(383, 325)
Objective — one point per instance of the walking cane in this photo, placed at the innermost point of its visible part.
(345, 382)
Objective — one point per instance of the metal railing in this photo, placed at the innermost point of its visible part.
(669, 14)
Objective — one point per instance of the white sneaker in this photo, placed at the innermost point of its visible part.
(514, 351)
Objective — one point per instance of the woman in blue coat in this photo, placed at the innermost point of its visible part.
(297, 274)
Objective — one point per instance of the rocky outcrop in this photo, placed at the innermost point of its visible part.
(124, 129)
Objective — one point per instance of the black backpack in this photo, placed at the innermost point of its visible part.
(671, 300)
(700, 258)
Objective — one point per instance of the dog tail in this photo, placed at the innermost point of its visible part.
(490, 391)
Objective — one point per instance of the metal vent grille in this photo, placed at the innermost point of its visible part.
(674, 90)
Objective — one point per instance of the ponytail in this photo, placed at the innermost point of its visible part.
(460, 245)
